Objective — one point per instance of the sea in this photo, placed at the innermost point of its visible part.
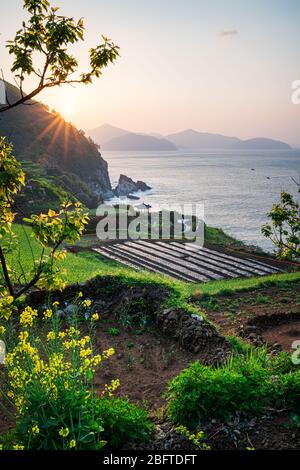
(236, 188)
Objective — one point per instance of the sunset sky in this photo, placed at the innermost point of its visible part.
(221, 66)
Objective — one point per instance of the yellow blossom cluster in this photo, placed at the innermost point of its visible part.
(72, 352)
(48, 314)
(109, 389)
(27, 316)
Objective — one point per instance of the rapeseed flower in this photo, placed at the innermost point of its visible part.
(72, 444)
(27, 316)
(48, 314)
(64, 432)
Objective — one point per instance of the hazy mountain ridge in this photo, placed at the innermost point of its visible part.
(114, 138)
(194, 139)
(132, 141)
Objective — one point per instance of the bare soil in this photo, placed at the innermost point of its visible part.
(270, 315)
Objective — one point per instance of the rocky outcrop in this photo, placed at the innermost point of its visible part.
(194, 334)
(127, 186)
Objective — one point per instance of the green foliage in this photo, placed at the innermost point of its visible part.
(52, 229)
(245, 383)
(123, 422)
(284, 228)
(11, 180)
(196, 439)
(113, 331)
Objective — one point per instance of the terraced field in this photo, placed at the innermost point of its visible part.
(186, 261)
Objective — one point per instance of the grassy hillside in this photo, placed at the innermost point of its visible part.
(86, 264)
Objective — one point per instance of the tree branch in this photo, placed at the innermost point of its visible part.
(5, 273)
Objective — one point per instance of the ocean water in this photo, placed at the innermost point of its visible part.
(237, 188)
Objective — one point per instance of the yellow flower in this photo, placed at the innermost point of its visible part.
(55, 304)
(48, 314)
(109, 352)
(95, 316)
(72, 443)
(27, 316)
(61, 334)
(96, 359)
(87, 362)
(80, 294)
(115, 384)
(85, 352)
(86, 303)
(64, 432)
(18, 447)
(35, 429)
(2, 330)
(51, 336)
(23, 336)
(51, 213)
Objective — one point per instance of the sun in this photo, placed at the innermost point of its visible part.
(68, 109)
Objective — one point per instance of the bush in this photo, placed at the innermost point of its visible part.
(245, 383)
(123, 421)
(290, 390)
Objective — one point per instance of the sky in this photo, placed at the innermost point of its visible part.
(223, 66)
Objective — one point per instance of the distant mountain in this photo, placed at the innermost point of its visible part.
(114, 138)
(262, 143)
(201, 140)
(105, 133)
(138, 142)
(44, 139)
(196, 140)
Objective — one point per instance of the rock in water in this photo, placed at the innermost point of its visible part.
(127, 186)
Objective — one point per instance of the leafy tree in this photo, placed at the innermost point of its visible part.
(284, 228)
(49, 34)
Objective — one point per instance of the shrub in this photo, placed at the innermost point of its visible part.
(123, 421)
(290, 390)
(245, 383)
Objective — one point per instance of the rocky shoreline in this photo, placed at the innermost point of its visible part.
(126, 187)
